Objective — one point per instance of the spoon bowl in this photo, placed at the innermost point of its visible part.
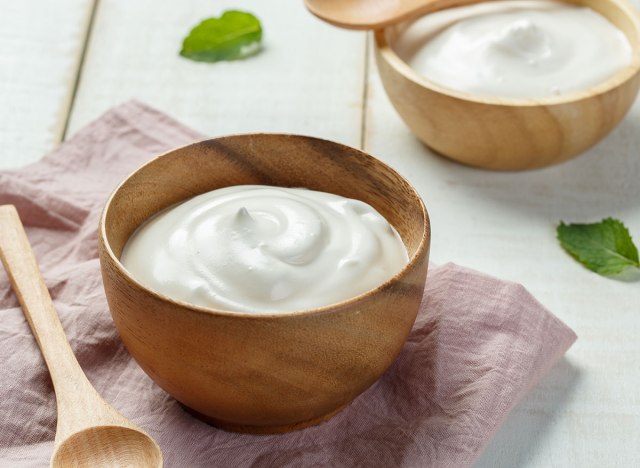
(119, 447)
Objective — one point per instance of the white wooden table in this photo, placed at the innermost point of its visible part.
(63, 63)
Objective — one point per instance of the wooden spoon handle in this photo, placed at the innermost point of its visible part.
(370, 14)
(76, 399)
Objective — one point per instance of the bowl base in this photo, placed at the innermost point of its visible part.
(261, 430)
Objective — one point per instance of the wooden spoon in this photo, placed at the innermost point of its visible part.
(376, 14)
(90, 432)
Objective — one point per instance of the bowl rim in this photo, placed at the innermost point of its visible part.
(421, 250)
(386, 51)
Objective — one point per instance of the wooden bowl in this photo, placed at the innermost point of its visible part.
(264, 373)
(511, 134)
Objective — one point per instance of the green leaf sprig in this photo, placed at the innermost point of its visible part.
(605, 248)
(235, 35)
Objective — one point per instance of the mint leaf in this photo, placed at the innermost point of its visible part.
(235, 35)
(605, 247)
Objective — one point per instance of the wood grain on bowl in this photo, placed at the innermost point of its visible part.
(264, 373)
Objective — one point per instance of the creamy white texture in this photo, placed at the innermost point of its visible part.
(531, 49)
(265, 249)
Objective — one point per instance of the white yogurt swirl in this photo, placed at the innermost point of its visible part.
(265, 249)
(520, 49)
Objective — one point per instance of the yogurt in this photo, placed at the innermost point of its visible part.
(263, 249)
(515, 49)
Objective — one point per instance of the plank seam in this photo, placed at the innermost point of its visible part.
(83, 55)
(365, 93)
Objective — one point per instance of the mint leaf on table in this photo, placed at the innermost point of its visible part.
(605, 247)
(235, 35)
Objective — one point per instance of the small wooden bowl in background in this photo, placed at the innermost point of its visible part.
(264, 373)
(511, 134)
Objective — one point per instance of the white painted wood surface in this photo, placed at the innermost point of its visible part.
(310, 79)
(41, 43)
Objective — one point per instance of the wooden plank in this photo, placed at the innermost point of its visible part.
(41, 43)
(307, 80)
(586, 412)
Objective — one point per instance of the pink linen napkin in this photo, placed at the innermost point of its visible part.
(478, 345)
